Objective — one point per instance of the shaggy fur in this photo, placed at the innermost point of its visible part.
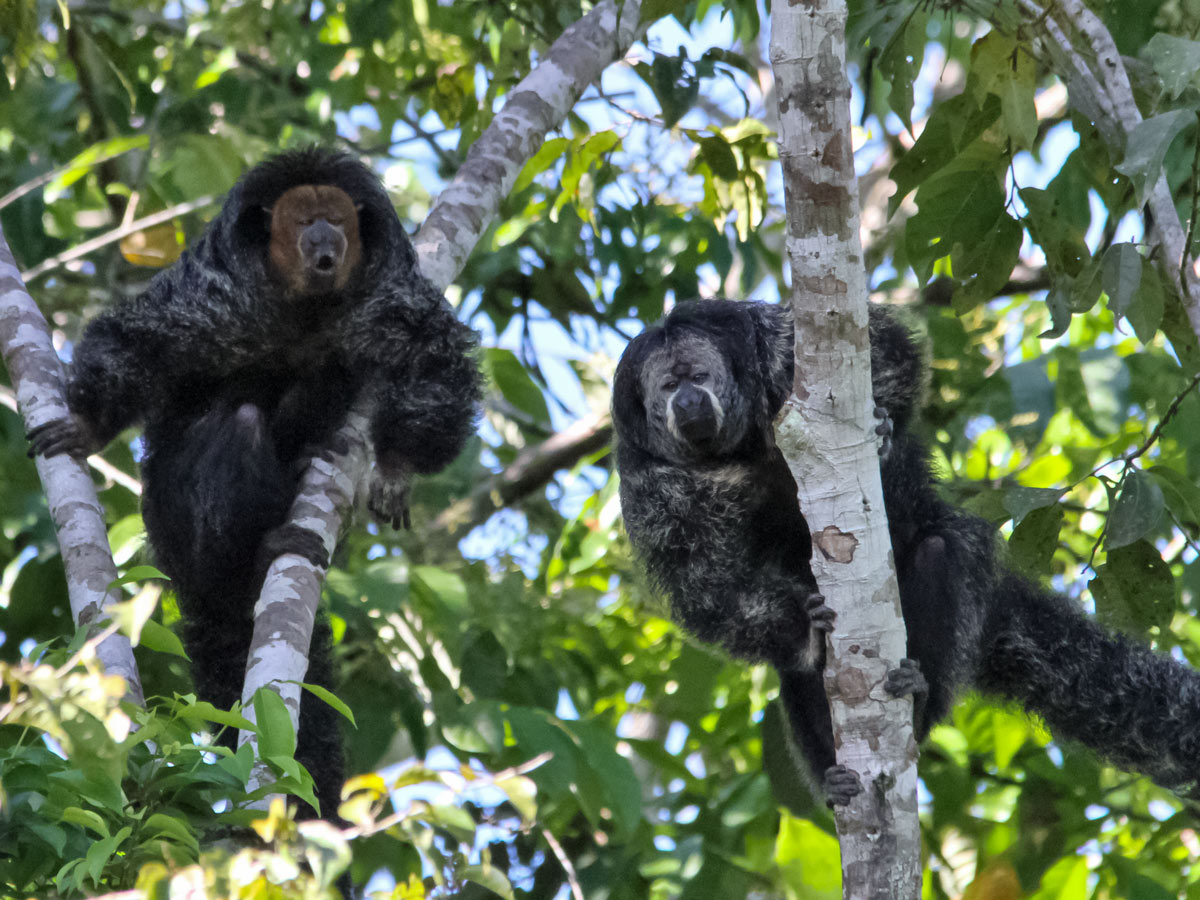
(719, 531)
(239, 380)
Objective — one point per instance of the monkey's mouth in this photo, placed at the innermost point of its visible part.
(700, 429)
(326, 264)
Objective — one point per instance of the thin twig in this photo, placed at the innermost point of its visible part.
(110, 237)
(565, 862)
(46, 177)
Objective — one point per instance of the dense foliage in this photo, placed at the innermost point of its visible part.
(1061, 408)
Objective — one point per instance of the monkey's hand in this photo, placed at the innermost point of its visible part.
(67, 435)
(820, 616)
(906, 679)
(841, 785)
(388, 498)
(810, 654)
(884, 429)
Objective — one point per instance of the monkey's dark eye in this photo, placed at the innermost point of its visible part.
(306, 221)
(700, 378)
(670, 385)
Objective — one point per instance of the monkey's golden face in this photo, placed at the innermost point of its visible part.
(315, 246)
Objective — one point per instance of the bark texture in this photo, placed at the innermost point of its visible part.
(827, 434)
(37, 378)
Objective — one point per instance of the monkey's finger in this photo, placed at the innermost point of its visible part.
(407, 519)
(53, 438)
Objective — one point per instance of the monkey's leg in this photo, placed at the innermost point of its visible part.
(804, 700)
(213, 488)
(937, 596)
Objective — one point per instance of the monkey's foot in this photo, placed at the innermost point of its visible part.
(906, 679)
(820, 616)
(388, 499)
(841, 785)
(884, 429)
(67, 435)
(294, 540)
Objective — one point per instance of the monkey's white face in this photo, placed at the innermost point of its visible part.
(692, 408)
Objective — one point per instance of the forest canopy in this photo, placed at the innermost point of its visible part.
(526, 719)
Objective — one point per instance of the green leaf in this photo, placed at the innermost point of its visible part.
(328, 696)
(900, 62)
(512, 379)
(522, 793)
(545, 157)
(674, 85)
(952, 127)
(1134, 590)
(653, 10)
(177, 829)
(1066, 880)
(102, 851)
(1035, 539)
(161, 639)
(988, 263)
(1147, 148)
(139, 573)
(1010, 731)
(809, 859)
(1070, 389)
(489, 877)
(1175, 60)
(716, 152)
(447, 587)
(1145, 314)
(1085, 289)
(1138, 509)
(1121, 276)
(1000, 66)
(1180, 493)
(203, 710)
(1020, 501)
(276, 735)
(86, 818)
(958, 206)
(1058, 301)
(1054, 228)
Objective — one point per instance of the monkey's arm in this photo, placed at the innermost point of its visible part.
(424, 388)
(110, 381)
(731, 551)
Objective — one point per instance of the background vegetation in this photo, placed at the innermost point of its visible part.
(510, 622)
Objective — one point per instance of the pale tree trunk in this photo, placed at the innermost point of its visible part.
(37, 379)
(463, 211)
(827, 435)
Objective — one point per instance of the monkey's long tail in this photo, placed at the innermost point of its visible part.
(1138, 709)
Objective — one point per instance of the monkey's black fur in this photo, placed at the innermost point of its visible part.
(238, 382)
(718, 528)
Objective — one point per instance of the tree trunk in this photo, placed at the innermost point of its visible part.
(827, 434)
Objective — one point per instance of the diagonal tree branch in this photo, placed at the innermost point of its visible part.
(530, 471)
(37, 377)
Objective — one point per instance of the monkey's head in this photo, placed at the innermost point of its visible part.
(316, 221)
(314, 247)
(706, 382)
